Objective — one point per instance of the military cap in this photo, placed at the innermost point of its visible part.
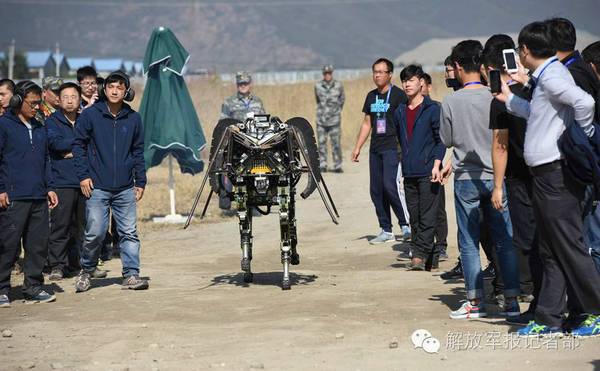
(243, 77)
(52, 82)
(328, 68)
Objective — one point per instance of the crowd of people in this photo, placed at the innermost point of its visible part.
(71, 154)
(515, 195)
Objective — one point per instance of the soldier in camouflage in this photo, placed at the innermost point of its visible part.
(329, 94)
(50, 98)
(242, 102)
(237, 107)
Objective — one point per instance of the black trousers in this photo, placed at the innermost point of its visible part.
(67, 225)
(525, 240)
(565, 260)
(441, 225)
(422, 200)
(26, 222)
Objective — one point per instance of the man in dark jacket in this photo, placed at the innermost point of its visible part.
(25, 185)
(109, 161)
(68, 219)
(418, 123)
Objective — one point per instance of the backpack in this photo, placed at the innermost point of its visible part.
(582, 155)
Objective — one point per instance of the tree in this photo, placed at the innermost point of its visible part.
(20, 71)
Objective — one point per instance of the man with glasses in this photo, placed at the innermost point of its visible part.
(87, 79)
(237, 107)
(25, 194)
(378, 122)
(330, 97)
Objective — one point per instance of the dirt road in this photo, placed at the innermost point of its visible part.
(349, 304)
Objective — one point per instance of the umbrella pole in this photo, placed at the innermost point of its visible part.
(171, 185)
(172, 217)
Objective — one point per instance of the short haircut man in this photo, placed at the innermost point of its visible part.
(417, 123)
(563, 36)
(112, 131)
(426, 86)
(26, 192)
(556, 102)
(464, 125)
(510, 167)
(68, 219)
(7, 90)
(87, 79)
(380, 104)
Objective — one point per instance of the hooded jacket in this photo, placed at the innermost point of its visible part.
(425, 146)
(24, 161)
(109, 149)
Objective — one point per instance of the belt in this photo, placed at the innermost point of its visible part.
(545, 168)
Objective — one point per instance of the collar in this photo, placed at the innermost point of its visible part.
(11, 116)
(574, 55)
(242, 97)
(538, 71)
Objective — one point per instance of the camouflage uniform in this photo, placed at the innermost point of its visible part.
(237, 105)
(330, 101)
(52, 83)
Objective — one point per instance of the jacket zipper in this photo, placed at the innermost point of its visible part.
(115, 153)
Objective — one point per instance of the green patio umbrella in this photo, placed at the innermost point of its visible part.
(171, 124)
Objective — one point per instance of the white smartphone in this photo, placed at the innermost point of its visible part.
(510, 60)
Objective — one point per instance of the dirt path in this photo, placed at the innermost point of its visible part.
(349, 302)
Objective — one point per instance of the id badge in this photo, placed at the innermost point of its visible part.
(381, 126)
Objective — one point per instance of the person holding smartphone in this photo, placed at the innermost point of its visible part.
(510, 168)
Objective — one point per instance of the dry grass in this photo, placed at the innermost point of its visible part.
(285, 101)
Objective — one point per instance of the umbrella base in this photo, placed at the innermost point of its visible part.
(171, 218)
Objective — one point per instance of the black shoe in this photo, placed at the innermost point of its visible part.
(405, 255)
(339, 171)
(489, 273)
(453, 274)
(323, 169)
(522, 319)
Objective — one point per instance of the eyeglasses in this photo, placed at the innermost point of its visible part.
(88, 83)
(380, 72)
(34, 104)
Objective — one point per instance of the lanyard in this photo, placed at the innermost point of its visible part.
(570, 61)
(544, 69)
(246, 104)
(387, 98)
(472, 83)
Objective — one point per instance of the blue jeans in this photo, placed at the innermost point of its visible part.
(469, 197)
(591, 234)
(124, 208)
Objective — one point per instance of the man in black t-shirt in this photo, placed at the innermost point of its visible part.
(379, 108)
(507, 157)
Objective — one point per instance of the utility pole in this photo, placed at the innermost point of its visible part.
(57, 60)
(11, 59)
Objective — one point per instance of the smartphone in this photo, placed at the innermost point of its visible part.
(510, 60)
(495, 84)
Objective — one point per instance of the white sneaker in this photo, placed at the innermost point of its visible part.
(4, 301)
(468, 311)
(383, 237)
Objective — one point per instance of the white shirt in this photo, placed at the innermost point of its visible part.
(556, 102)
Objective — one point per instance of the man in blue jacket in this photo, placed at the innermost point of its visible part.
(25, 185)
(67, 220)
(109, 161)
(418, 123)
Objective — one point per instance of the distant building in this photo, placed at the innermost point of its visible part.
(40, 64)
(61, 65)
(77, 63)
(106, 66)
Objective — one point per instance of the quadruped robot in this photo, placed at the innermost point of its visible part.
(264, 158)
